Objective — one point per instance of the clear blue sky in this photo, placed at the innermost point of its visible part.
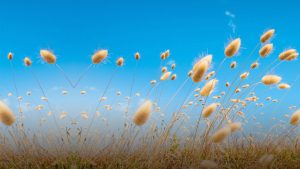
(75, 29)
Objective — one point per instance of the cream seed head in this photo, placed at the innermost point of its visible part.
(201, 67)
(271, 79)
(143, 113)
(235, 126)
(221, 134)
(173, 66)
(165, 76)
(208, 87)
(209, 110)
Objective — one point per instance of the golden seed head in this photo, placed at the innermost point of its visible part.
(235, 126)
(137, 56)
(266, 50)
(254, 65)
(48, 56)
(267, 35)
(6, 115)
(120, 61)
(200, 68)
(27, 61)
(285, 54)
(244, 75)
(271, 79)
(99, 56)
(292, 56)
(10, 56)
(164, 69)
(233, 65)
(173, 77)
(208, 87)
(221, 134)
(233, 47)
(284, 86)
(207, 111)
(295, 118)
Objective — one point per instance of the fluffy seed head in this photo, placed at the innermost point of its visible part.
(285, 54)
(208, 87)
(190, 73)
(292, 56)
(6, 115)
(200, 68)
(284, 86)
(137, 56)
(267, 35)
(173, 66)
(235, 126)
(266, 50)
(48, 56)
(153, 82)
(164, 69)
(165, 54)
(143, 113)
(233, 47)
(295, 118)
(99, 56)
(27, 61)
(209, 110)
(10, 56)
(244, 75)
(165, 76)
(173, 77)
(254, 65)
(221, 134)
(199, 71)
(120, 61)
(233, 65)
(271, 79)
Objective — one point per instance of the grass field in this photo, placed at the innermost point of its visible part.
(215, 137)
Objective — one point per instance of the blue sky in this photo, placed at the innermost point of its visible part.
(75, 29)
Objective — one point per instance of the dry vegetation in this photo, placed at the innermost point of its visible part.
(215, 139)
